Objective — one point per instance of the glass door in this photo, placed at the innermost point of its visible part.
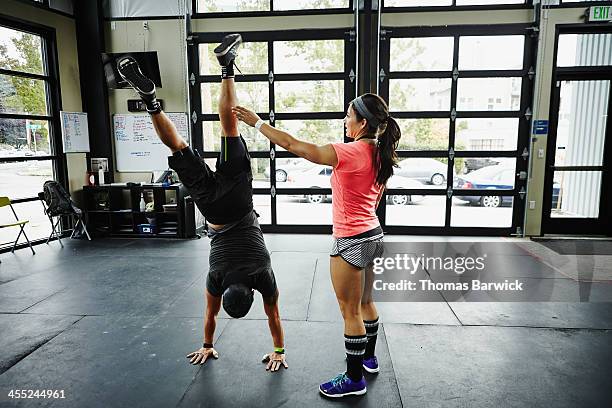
(576, 173)
(577, 182)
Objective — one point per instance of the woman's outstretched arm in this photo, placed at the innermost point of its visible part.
(317, 154)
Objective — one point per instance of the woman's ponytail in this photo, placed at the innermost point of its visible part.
(384, 128)
(388, 142)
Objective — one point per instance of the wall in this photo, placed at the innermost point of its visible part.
(68, 72)
(167, 38)
(441, 18)
(535, 192)
(272, 23)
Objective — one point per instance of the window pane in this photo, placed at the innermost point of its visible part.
(24, 179)
(24, 137)
(291, 57)
(584, 50)
(260, 167)
(428, 172)
(310, 96)
(420, 94)
(417, 3)
(310, 208)
(487, 2)
(263, 207)
(319, 132)
(20, 51)
(253, 95)
(495, 52)
(424, 134)
(288, 167)
(309, 4)
(38, 226)
(422, 3)
(415, 210)
(486, 134)
(206, 6)
(22, 95)
(211, 133)
(253, 59)
(422, 54)
(485, 211)
(583, 116)
(576, 194)
(485, 173)
(489, 94)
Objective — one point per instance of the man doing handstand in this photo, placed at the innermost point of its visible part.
(239, 260)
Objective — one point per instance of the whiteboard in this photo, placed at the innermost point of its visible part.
(137, 147)
(75, 132)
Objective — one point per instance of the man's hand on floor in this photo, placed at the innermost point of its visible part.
(275, 361)
(200, 356)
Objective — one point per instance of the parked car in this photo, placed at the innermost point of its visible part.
(423, 169)
(401, 182)
(495, 177)
(471, 164)
(319, 176)
(286, 166)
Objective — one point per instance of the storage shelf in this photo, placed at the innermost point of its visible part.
(122, 220)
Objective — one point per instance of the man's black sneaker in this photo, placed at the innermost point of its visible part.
(130, 71)
(228, 49)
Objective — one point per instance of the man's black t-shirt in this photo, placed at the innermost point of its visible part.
(238, 252)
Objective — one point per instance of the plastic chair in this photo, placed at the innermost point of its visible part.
(4, 201)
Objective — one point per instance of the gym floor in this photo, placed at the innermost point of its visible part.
(110, 322)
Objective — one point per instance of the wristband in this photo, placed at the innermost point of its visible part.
(207, 345)
(258, 124)
(279, 350)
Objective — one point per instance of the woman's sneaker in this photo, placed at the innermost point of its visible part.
(341, 386)
(371, 365)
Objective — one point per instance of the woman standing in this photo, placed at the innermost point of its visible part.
(361, 170)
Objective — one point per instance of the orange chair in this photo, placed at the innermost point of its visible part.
(4, 201)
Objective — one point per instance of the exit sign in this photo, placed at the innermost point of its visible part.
(600, 13)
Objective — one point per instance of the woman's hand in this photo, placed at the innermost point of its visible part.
(200, 356)
(245, 115)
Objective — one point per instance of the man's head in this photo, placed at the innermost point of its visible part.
(237, 300)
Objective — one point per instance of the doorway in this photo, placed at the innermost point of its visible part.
(577, 181)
